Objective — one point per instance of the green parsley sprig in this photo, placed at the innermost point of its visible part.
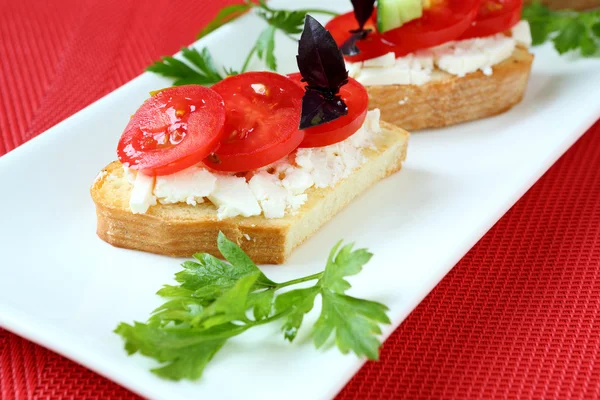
(568, 30)
(197, 67)
(217, 300)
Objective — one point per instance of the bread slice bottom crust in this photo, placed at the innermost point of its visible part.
(180, 230)
(449, 99)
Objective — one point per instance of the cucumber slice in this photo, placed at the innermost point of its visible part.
(392, 14)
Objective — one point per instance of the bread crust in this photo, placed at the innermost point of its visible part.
(180, 230)
(449, 100)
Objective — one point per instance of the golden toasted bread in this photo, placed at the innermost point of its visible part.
(181, 230)
(448, 99)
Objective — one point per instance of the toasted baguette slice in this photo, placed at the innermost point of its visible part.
(181, 230)
(567, 4)
(448, 99)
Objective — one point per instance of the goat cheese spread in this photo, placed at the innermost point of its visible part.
(457, 58)
(273, 190)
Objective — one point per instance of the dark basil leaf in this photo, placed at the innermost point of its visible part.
(319, 108)
(322, 67)
(349, 47)
(362, 11)
(320, 61)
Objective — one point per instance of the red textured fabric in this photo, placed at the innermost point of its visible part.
(518, 317)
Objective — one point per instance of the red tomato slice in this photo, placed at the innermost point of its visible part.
(443, 22)
(261, 125)
(174, 129)
(373, 46)
(495, 16)
(356, 98)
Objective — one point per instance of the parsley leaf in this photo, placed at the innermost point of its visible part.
(539, 18)
(587, 45)
(596, 29)
(342, 264)
(240, 260)
(178, 310)
(199, 68)
(210, 273)
(569, 36)
(183, 353)
(298, 303)
(354, 321)
(217, 300)
(290, 22)
(568, 30)
(230, 306)
(261, 303)
(225, 15)
(265, 47)
(190, 361)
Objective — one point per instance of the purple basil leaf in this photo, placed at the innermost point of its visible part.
(320, 60)
(363, 9)
(322, 67)
(349, 47)
(318, 109)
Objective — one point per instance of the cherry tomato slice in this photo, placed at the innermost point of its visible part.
(495, 16)
(356, 98)
(445, 21)
(261, 124)
(373, 46)
(174, 129)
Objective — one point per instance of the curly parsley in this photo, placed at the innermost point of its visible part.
(198, 68)
(217, 300)
(568, 30)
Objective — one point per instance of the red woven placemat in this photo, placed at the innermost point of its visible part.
(517, 318)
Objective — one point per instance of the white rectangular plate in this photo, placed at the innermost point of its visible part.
(64, 288)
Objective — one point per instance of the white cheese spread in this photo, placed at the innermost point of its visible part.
(269, 192)
(233, 197)
(386, 60)
(467, 56)
(273, 190)
(457, 58)
(189, 186)
(142, 197)
(413, 69)
(521, 32)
